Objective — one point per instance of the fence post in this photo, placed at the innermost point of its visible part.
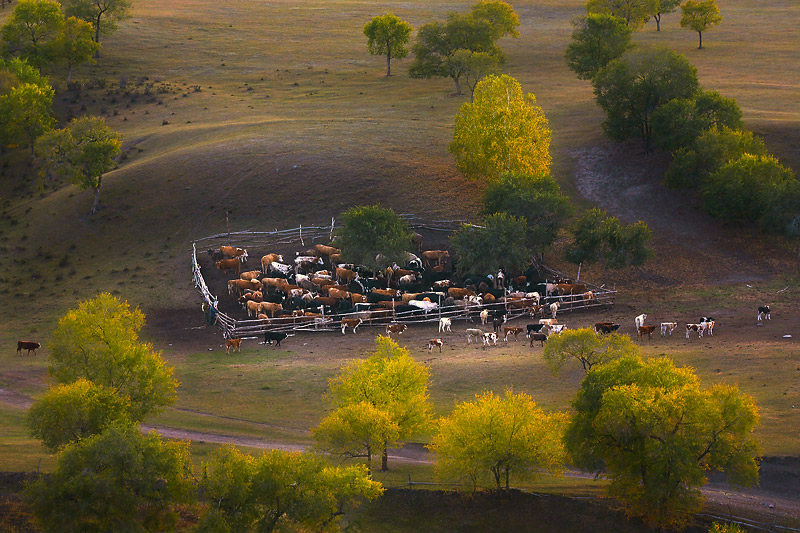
(301, 236)
(330, 238)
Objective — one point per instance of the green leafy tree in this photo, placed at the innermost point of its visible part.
(31, 29)
(597, 40)
(485, 441)
(26, 113)
(391, 381)
(74, 45)
(103, 15)
(81, 153)
(658, 8)
(537, 199)
(357, 430)
(679, 122)
(655, 433)
(73, 411)
(586, 347)
(753, 188)
(631, 88)
(600, 238)
(279, 489)
(473, 67)
(501, 131)
(388, 35)
(700, 16)
(499, 15)
(500, 242)
(369, 230)
(99, 341)
(634, 12)
(117, 480)
(691, 166)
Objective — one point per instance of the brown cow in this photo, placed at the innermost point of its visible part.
(250, 274)
(459, 294)
(396, 328)
(270, 258)
(391, 293)
(648, 330)
(228, 264)
(326, 250)
(433, 343)
(234, 344)
(345, 274)
(351, 323)
(511, 330)
(570, 288)
(269, 308)
(439, 256)
(31, 346)
(240, 254)
(338, 293)
(356, 298)
(541, 337)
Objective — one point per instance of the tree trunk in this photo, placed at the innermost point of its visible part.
(657, 18)
(69, 74)
(96, 205)
(701, 39)
(388, 65)
(457, 81)
(385, 461)
(97, 36)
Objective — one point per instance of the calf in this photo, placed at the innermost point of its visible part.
(645, 330)
(694, 327)
(668, 327)
(396, 328)
(270, 336)
(764, 312)
(433, 343)
(708, 326)
(351, 323)
(541, 337)
(233, 344)
(490, 338)
(511, 330)
(554, 309)
(639, 320)
(31, 346)
(474, 332)
(497, 323)
(444, 324)
(484, 316)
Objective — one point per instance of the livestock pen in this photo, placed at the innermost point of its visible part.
(303, 236)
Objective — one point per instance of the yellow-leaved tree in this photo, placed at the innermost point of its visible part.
(502, 130)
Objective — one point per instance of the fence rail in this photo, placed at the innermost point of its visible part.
(233, 328)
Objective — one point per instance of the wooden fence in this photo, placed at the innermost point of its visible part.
(307, 235)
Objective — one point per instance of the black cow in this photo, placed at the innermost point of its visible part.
(534, 328)
(31, 346)
(270, 336)
(764, 312)
(541, 337)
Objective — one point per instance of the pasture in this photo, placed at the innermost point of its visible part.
(238, 107)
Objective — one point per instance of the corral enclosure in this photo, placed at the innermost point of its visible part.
(210, 283)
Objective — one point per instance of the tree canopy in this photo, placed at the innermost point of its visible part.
(501, 131)
(631, 88)
(537, 199)
(80, 153)
(473, 67)
(99, 341)
(74, 44)
(391, 381)
(279, 488)
(30, 30)
(26, 113)
(485, 441)
(678, 123)
(500, 242)
(103, 15)
(388, 35)
(369, 230)
(662, 7)
(600, 238)
(700, 16)
(586, 347)
(597, 39)
(655, 433)
(635, 13)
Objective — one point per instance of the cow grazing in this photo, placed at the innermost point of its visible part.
(396, 328)
(270, 336)
(533, 328)
(541, 337)
(764, 312)
(239, 254)
(474, 332)
(433, 343)
(233, 344)
(490, 338)
(445, 324)
(30, 346)
(668, 327)
(645, 330)
(351, 323)
(694, 327)
(639, 320)
(228, 264)
(511, 330)
(484, 316)
(554, 309)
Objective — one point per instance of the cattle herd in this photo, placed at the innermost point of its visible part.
(316, 288)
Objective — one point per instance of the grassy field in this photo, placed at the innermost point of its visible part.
(275, 112)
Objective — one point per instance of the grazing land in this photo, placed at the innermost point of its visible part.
(274, 112)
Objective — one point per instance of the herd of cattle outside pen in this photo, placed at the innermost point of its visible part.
(428, 296)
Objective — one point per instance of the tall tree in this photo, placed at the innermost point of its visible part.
(537, 199)
(25, 113)
(391, 381)
(700, 16)
(655, 433)
(600, 238)
(586, 347)
(74, 45)
(81, 153)
(103, 15)
(635, 13)
(388, 35)
(298, 490)
(117, 480)
(485, 441)
(597, 39)
(631, 88)
(29, 31)
(99, 341)
(472, 67)
(678, 123)
(501, 131)
(73, 411)
(369, 230)
(500, 242)
(662, 7)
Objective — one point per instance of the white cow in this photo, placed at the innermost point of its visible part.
(668, 327)
(444, 324)
(554, 308)
(640, 320)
